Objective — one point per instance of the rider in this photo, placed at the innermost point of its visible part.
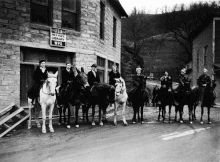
(40, 75)
(68, 77)
(203, 81)
(113, 75)
(93, 76)
(138, 77)
(183, 78)
(166, 81)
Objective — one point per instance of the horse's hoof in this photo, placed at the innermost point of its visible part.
(51, 130)
(115, 123)
(191, 122)
(201, 122)
(29, 126)
(68, 126)
(210, 122)
(44, 131)
(93, 123)
(142, 122)
(77, 126)
(181, 121)
(133, 122)
(126, 124)
(101, 123)
(38, 125)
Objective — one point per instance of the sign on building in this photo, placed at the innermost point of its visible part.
(57, 37)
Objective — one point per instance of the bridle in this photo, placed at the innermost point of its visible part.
(45, 82)
(121, 89)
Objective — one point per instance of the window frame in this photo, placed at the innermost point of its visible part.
(49, 5)
(102, 21)
(114, 31)
(76, 11)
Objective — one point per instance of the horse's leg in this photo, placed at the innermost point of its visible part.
(43, 108)
(50, 118)
(202, 111)
(93, 115)
(115, 114)
(69, 114)
(76, 115)
(138, 111)
(87, 112)
(209, 121)
(64, 113)
(176, 111)
(30, 114)
(37, 113)
(163, 112)
(170, 106)
(190, 107)
(104, 113)
(159, 112)
(60, 115)
(142, 114)
(194, 111)
(181, 113)
(123, 114)
(100, 114)
(135, 112)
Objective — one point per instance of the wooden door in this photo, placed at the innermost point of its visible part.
(26, 81)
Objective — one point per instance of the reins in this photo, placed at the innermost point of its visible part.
(45, 83)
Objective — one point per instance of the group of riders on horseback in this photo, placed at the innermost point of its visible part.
(138, 95)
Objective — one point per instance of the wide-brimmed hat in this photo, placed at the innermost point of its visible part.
(40, 61)
(94, 65)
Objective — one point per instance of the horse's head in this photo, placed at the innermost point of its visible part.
(81, 79)
(119, 86)
(51, 83)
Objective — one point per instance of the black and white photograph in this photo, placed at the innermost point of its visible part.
(109, 80)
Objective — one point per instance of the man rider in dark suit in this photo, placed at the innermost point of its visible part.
(68, 77)
(113, 75)
(93, 76)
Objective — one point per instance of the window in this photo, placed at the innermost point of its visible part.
(110, 63)
(102, 20)
(70, 14)
(205, 55)
(101, 68)
(197, 61)
(114, 31)
(41, 11)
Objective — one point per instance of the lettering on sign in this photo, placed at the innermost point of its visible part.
(57, 37)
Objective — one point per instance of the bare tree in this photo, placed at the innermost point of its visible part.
(182, 22)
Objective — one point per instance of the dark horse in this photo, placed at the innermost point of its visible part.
(165, 98)
(101, 94)
(206, 97)
(74, 95)
(184, 97)
(139, 97)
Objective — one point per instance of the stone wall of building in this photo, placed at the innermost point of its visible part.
(17, 31)
(202, 40)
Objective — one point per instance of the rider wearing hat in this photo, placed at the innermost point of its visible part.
(204, 79)
(182, 80)
(40, 75)
(113, 75)
(93, 76)
(166, 81)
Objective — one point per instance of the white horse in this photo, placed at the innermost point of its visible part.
(121, 97)
(47, 98)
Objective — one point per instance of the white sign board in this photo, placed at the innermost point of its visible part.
(57, 37)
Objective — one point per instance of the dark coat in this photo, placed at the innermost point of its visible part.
(138, 79)
(167, 81)
(68, 77)
(39, 77)
(112, 77)
(203, 79)
(92, 79)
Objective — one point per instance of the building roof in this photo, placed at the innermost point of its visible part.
(205, 23)
(117, 5)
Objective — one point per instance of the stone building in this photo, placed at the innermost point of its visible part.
(206, 50)
(80, 31)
